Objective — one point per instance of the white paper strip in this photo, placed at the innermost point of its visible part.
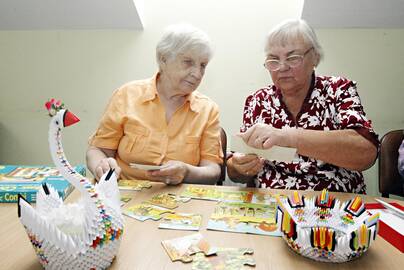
(277, 153)
(146, 167)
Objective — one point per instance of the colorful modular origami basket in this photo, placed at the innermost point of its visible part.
(82, 235)
(323, 229)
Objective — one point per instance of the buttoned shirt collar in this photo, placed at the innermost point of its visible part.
(151, 94)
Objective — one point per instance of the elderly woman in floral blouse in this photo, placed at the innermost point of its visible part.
(321, 116)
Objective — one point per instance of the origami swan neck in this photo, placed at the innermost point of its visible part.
(56, 148)
(97, 214)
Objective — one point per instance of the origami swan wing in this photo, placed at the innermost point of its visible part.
(47, 199)
(108, 187)
(39, 228)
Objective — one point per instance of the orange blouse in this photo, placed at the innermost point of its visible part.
(134, 123)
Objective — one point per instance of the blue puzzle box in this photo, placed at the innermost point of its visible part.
(27, 180)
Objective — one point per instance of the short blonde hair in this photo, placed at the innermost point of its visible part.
(179, 38)
(294, 29)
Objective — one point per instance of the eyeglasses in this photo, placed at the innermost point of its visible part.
(292, 61)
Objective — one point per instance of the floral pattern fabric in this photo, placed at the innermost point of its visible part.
(332, 103)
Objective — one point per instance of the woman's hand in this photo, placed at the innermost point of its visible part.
(105, 165)
(247, 165)
(263, 136)
(173, 173)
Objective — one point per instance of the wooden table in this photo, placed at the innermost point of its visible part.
(141, 244)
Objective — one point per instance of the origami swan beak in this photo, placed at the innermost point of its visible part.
(69, 119)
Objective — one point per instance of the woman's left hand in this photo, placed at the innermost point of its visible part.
(263, 136)
(173, 173)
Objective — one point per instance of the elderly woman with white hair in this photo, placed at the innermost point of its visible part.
(163, 120)
(321, 116)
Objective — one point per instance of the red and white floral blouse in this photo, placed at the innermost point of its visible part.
(332, 103)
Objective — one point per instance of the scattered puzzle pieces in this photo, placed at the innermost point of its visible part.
(225, 259)
(182, 248)
(167, 200)
(144, 211)
(136, 185)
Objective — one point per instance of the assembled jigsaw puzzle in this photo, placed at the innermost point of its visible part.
(245, 218)
(215, 194)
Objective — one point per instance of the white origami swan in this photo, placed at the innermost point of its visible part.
(82, 235)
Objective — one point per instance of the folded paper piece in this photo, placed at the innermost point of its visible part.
(395, 210)
(391, 226)
(278, 153)
(83, 235)
(324, 229)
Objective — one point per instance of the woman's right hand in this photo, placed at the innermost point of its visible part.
(248, 165)
(105, 165)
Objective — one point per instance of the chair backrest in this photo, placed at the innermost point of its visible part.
(223, 139)
(390, 181)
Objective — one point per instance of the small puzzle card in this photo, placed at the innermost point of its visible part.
(136, 185)
(225, 259)
(144, 211)
(167, 200)
(182, 248)
(181, 221)
(245, 218)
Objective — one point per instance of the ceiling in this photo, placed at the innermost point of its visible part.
(354, 13)
(70, 14)
(127, 14)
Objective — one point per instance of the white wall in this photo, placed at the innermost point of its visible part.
(83, 68)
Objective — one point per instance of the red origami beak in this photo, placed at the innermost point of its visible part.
(69, 119)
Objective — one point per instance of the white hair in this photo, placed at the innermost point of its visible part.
(180, 38)
(291, 30)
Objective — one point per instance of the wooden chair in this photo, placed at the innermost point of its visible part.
(390, 181)
(223, 138)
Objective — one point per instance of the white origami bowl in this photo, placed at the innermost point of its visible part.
(323, 229)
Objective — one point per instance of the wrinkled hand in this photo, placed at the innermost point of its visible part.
(104, 165)
(173, 173)
(248, 165)
(263, 136)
